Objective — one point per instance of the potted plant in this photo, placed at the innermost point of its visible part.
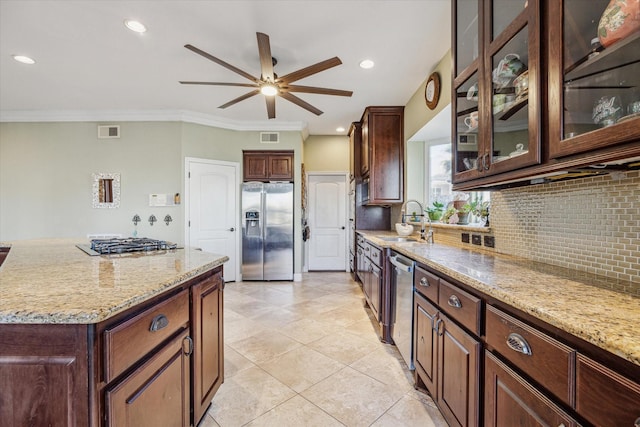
(463, 213)
(482, 212)
(435, 212)
(450, 216)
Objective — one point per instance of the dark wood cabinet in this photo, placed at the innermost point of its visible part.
(512, 401)
(138, 368)
(267, 165)
(604, 397)
(447, 359)
(157, 393)
(458, 373)
(426, 356)
(372, 281)
(593, 90)
(382, 154)
(565, 103)
(207, 334)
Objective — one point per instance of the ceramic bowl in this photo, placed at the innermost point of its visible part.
(404, 229)
(521, 84)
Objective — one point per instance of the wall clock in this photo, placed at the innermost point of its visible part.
(432, 91)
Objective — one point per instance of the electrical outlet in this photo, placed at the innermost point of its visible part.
(490, 241)
(476, 239)
(465, 237)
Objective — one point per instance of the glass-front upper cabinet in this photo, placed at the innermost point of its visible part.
(497, 93)
(594, 75)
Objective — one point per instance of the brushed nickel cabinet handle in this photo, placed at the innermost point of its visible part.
(516, 342)
(158, 322)
(424, 282)
(636, 423)
(189, 341)
(454, 301)
(437, 328)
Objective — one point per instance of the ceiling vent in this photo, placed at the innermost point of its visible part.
(108, 131)
(269, 137)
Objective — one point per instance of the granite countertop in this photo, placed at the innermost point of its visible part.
(579, 303)
(52, 281)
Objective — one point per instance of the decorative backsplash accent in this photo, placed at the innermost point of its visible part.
(589, 224)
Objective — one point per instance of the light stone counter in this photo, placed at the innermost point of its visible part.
(52, 281)
(579, 303)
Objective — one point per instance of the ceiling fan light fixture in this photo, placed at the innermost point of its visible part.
(366, 64)
(135, 26)
(269, 89)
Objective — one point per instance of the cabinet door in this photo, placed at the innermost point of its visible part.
(157, 393)
(594, 80)
(511, 401)
(280, 167)
(386, 155)
(376, 290)
(426, 358)
(207, 328)
(360, 264)
(255, 167)
(604, 397)
(366, 278)
(364, 147)
(458, 376)
(355, 147)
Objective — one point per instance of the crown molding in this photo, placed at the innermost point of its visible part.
(149, 116)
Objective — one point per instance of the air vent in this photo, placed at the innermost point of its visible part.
(108, 131)
(269, 137)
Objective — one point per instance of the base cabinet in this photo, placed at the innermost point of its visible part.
(511, 401)
(157, 393)
(208, 355)
(447, 363)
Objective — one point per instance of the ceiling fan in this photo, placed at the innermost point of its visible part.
(269, 83)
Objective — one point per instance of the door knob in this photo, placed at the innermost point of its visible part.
(342, 227)
(232, 229)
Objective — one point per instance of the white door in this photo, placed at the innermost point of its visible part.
(327, 222)
(212, 209)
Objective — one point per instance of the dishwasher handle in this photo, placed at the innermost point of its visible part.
(401, 265)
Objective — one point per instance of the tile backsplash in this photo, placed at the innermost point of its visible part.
(588, 224)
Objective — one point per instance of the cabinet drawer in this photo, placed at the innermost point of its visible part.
(547, 361)
(460, 305)
(604, 397)
(128, 341)
(375, 254)
(426, 283)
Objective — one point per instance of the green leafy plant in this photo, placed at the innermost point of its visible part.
(435, 212)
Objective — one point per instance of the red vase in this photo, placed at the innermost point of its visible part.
(620, 19)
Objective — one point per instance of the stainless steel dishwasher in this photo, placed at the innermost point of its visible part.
(402, 296)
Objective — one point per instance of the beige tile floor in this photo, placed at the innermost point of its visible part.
(306, 354)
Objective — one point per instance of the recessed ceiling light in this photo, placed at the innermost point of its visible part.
(366, 64)
(24, 59)
(340, 129)
(134, 25)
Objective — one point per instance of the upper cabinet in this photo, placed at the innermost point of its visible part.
(594, 75)
(497, 87)
(539, 94)
(382, 154)
(267, 166)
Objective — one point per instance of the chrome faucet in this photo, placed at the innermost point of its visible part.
(403, 214)
(429, 234)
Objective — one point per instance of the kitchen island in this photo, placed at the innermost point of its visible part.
(108, 340)
(535, 340)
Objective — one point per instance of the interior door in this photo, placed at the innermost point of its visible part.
(212, 210)
(327, 222)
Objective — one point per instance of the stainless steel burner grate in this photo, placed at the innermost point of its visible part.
(133, 244)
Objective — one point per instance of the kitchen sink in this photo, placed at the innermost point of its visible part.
(396, 239)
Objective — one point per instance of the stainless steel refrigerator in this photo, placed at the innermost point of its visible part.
(267, 231)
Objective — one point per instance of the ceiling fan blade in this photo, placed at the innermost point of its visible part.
(240, 98)
(300, 103)
(271, 106)
(310, 70)
(221, 62)
(320, 90)
(219, 84)
(266, 62)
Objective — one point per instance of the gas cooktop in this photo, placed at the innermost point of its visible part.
(120, 246)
